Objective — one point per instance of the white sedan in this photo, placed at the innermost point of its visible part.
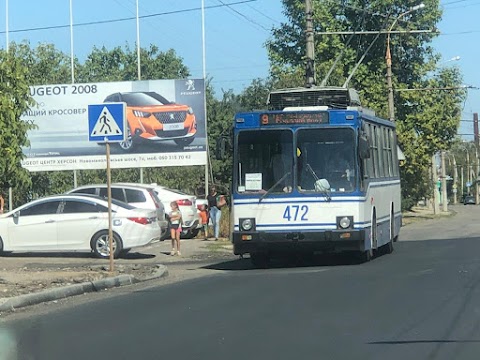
(76, 223)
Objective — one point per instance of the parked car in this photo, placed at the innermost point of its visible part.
(186, 204)
(138, 196)
(76, 223)
(151, 117)
(201, 202)
(469, 200)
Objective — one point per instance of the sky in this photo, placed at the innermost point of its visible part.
(234, 35)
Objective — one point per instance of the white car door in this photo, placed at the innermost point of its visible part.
(34, 227)
(80, 220)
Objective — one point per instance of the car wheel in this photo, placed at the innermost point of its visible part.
(190, 234)
(185, 141)
(128, 144)
(367, 255)
(100, 245)
(166, 234)
(392, 234)
(195, 232)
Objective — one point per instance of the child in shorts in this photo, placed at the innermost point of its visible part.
(175, 228)
(204, 220)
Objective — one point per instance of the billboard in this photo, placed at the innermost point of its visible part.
(165, 125)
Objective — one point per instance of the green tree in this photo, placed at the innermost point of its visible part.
(15, 100)
(220, 123)
(120, 64)
(45, 63)
(426, 120)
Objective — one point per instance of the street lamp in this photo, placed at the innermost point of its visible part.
(388, 58)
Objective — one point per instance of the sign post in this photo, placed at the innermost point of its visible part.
(109, 194)
(106, 124)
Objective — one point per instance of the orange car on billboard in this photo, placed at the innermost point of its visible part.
(151, 117)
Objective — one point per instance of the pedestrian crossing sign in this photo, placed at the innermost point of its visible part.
(107, 122)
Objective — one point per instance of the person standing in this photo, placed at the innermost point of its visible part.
(175, 228)
(204, 219)
(2, 203)
(215, 203)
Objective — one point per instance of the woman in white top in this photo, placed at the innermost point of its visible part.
(175, 228)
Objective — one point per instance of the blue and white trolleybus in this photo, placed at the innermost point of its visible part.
(315, 172)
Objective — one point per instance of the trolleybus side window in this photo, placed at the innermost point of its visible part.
(388, 152)
(372, 174)
(393, 139)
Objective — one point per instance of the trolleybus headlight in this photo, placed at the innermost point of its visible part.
(247, 224)
(344, 222)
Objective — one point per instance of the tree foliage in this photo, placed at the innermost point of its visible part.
(120, 64)
(15, 99)
(426, 120)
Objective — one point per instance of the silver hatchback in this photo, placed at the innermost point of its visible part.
(143, 197)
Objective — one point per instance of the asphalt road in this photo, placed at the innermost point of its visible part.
(421, 302)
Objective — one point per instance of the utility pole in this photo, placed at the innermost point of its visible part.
(310, 64)
(455, 181)
(436, 207)
(475, 129)
(468, 171)
(444, 183)
(462, 180)
(391, 105)
(475, 176)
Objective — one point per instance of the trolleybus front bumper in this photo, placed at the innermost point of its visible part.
(311, 241)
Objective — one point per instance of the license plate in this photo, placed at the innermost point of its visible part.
(172, 127)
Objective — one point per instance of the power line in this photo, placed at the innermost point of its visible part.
(454, 2)
(126, 18)
(263, 14)
(244, 16)
(461, 33)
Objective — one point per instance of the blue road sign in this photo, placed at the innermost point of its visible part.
(107, 122)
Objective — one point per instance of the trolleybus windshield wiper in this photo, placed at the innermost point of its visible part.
(318, 185)
(274, 186)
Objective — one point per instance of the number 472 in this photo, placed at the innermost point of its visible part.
(296, 212)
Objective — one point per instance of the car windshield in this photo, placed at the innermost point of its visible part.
(140, 99)
(326, 154)
(265, 161)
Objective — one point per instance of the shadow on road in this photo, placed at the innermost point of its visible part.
(421, 342)
(73, 255)
(297, 261)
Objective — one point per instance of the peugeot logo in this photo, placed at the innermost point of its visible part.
(190, 84)
(172, 117)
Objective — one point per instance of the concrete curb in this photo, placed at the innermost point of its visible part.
(20, 301)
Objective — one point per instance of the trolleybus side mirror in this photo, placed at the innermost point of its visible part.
(363, 147)
(221, 149)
